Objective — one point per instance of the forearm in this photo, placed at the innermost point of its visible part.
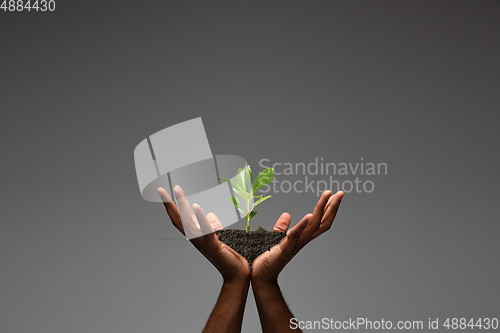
(274, 314)
(227, 314)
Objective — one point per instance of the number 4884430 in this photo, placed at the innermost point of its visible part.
(28, 5)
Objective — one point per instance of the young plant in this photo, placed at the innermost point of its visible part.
(246, 188)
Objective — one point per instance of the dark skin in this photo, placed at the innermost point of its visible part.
(227, 315)
(274, 314)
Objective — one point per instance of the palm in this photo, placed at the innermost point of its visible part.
(267, 265)
(226, 260)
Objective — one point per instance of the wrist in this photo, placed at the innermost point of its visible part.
(237, 288)
(264, 285)
(264, 281)
(242, 279)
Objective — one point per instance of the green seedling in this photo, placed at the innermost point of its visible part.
(246, 188)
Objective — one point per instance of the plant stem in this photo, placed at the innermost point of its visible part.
(248, 214)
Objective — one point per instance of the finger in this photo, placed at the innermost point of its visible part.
(205, 225)
(328, 204)
(283, 223)
(171, 209)
(317, 214)
(214, 221)
(188, 219)
(296, 231)
(329, 216)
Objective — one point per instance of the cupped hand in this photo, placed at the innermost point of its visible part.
(269, 264)
(199, 228)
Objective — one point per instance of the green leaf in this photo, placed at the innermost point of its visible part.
(252, 214)
(234, 200)
(251, 174)
(243, 178)
(233, 184)
(260, 200)
(263, 179)
(248, 179)
(246, 196)
(248, 228)
(240, 179)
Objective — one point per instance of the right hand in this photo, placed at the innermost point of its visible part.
(269, 264)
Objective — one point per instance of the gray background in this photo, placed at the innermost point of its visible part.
(412, 84)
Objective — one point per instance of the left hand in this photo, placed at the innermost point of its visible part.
(228, 262)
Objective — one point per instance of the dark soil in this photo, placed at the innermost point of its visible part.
(250, 245)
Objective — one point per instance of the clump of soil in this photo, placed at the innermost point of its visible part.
(250, 244)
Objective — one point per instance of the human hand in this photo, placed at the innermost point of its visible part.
(268, 265)
(231, 265)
